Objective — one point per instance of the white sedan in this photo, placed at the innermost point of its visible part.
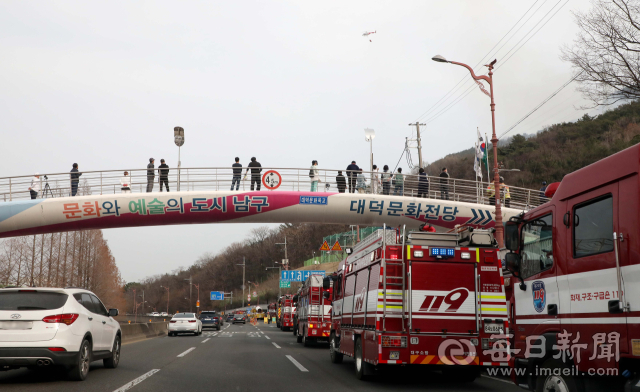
(185, 323)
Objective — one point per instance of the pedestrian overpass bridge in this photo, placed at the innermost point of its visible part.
(100, 204)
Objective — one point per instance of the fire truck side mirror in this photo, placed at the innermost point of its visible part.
(614, 306)
(326, 295)
(513, 263)
(511, 236)
(326, 283)
(295, 298)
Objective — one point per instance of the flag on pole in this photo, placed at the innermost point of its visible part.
(480, 156)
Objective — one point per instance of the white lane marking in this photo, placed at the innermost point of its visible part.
(499, 379)
(267, 337)
(206, 340)
(298, 365)
(274, 343)
(186, 352)
(137, 381)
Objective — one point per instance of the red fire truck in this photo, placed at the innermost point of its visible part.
(312, 321)
(285, 312)
(272, 311)
(577, 307)
(419, 299)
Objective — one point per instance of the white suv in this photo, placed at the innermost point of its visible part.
(42, 327)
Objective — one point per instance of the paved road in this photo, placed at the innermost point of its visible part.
(238, 358)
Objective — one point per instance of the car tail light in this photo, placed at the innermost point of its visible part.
(66, 318)
(192, 321)
(57, 349)
(172, 321)
(394, 341)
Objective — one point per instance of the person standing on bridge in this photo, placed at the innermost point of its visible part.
(352, 175)
(256, 168)
(163, 171)
(125, 183)
(386, 180)
(423, 183)
(504, 193)
(151, 175)
(75, 179)
(314, 175)
(341, 182)
(399, 188)
(362, 182)
(375, 180)
(444, 184)
(34, 188)
(237, 173)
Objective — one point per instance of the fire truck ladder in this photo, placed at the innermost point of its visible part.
(397, 283)
(316, 298)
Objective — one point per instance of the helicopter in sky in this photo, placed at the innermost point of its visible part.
(368, 33)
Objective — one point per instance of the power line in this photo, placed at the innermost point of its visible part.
(525, 42)
(541, 19)
(540, 105)
(482, 59)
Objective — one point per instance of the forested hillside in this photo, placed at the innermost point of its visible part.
(77, 258)
(221, 272)
(555, 151)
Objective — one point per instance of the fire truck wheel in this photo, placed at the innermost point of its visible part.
(363, 369)
(336, 356)
(306, 340)
(554, 380)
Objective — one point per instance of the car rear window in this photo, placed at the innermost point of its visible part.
(184, 315)
(31, 300)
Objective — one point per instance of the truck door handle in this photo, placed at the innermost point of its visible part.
(552, 309)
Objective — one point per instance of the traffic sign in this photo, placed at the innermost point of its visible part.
(217, 296)
(285, 284)
(255, 294)
(271, 179)
(248, 297)
(298, 276)
(325, 246)
(336, 246)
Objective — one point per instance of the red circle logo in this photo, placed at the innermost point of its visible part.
(271, 179)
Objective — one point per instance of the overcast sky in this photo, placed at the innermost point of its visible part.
(104, 83)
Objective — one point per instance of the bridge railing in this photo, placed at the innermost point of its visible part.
(290, 179)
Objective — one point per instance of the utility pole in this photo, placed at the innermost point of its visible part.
(190, 304)
(417, 125)
(244, 263)
(286, 258)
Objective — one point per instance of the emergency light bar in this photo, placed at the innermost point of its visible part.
(442, 252)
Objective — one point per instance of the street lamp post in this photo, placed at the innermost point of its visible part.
(279, 276)
(494, 138)
(166, 288)
(369, 134)
(178, 137)
(244, 264)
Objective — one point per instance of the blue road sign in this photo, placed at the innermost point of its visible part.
(299, 276)
(217, 295)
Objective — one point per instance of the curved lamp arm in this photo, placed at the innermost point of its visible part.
(473, 75)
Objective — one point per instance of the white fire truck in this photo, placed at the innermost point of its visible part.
(576, 312)
(430, 299)
(313, 311)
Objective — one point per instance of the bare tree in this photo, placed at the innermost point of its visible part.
(606, 54)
